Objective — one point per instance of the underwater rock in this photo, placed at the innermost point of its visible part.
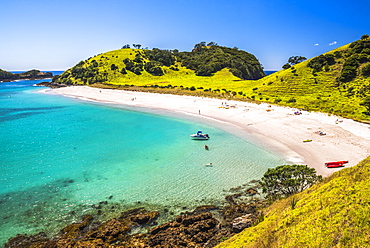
(251, 191)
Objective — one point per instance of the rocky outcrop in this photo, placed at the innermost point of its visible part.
(206, 226)
(240, 223)
(52, 85)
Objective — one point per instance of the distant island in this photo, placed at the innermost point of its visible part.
(6, 76)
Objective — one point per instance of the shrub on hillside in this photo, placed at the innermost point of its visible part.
(366, 104)
(366, 70)
(204, 70)
(359, 46)
(349, 70)
(113, 67)
(206, 60)
(164, 57)
(319, 62)
(286, 180)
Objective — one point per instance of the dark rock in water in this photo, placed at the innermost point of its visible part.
(52, 85)
(75, 230)
(145, 218)
(236, 188)
(206, 226)
(205, 208)
(23, 240)
(251, 191)
(231, 198)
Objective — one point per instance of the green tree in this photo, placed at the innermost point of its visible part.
(296, 59)
(366, 70)
(366, 104)
(365, 36)
(286, 180)
(113, 67)
(204, 70)
(286, 66)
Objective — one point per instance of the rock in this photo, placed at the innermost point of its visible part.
(145, 217)
(205, 208)
(23, 240)
(161, 228)
(251, 191)
(74, 230)
(199, 228)
(231, 198)
(187, 230)
(240, 223)
(191, 219)
(112, 228)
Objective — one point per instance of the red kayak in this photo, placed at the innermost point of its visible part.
(335, 164)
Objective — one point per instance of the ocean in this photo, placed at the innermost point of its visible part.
(61, 158)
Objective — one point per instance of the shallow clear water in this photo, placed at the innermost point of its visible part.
(60, 157)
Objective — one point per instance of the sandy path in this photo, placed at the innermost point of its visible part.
(277, 129)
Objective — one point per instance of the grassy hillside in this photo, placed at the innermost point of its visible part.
(201, 67)
(334, 213)
(323, 83)
(337, 82)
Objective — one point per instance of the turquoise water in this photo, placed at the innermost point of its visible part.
(60, 158)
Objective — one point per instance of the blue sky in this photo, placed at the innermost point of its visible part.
(57, 34)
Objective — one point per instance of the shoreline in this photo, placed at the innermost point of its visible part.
(273, 128)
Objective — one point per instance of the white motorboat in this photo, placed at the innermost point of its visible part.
(199, 136)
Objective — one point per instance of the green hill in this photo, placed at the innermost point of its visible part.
(334, 213)
(337, 82)
(205, 65)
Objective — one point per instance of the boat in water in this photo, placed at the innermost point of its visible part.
(199, 136)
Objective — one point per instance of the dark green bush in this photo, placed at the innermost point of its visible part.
(366, 70)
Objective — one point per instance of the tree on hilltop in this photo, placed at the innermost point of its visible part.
(199, 45)
(212, 43)
(296, 59)
(293, 60)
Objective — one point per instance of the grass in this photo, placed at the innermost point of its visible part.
(333, 213)
(298, 87)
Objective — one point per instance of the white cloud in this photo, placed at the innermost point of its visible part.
(316, 44)
(333, 43)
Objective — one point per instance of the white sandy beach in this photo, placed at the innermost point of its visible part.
(274, 128)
